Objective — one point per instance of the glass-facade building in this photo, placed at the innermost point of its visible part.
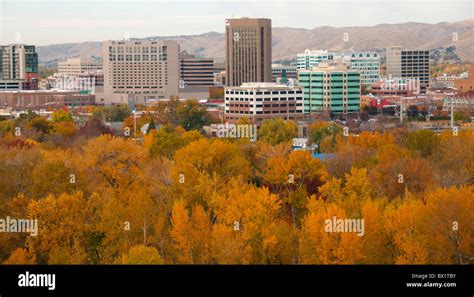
(332, 89)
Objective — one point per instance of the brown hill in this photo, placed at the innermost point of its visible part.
(287, 42)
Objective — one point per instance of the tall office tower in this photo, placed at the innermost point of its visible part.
(311, 58)
(196, 72)
(140, 70)
(330, 89)
(408, 64)
(19, 66)
(248, 51)
(76, 66)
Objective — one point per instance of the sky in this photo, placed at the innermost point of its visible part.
(44, 22)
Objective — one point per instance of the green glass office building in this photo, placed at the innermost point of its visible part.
(330, 88)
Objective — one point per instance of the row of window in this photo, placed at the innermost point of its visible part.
(232, 92)
(263, 99)
(144, 49)
(265, 112)
(264, 105)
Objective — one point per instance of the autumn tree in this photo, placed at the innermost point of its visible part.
(437, 230)
(319, 246)
(295, 177)
(62, 228)
(258, 234)
(190, 234)
(203, 167)
(141, 254)
(20, 256)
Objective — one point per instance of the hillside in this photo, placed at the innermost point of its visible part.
(287, 42)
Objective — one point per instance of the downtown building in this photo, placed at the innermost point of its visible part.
(78, 66)
(45, 99)
(311, 58)
(196, 76)
(366, 62)
(135, 71)
(248, 45)
(331, 89)
(408, 64)
(18, 67)
(77, 74)
(260, 101)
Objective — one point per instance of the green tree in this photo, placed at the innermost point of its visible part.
(192, 115)
(324, 135)
(424, 142)
(275, 131)
(113, 113)
(169, 139)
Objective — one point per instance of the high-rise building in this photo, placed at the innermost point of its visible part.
(19, 66)
(76, 66)
(248, 51)
(408, 64)
(330, 89)
(260, 101)
(140, 70)
(196, 72)
(311, 58)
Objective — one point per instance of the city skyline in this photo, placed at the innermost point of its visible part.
(88, 21)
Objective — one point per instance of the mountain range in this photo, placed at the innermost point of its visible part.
(287, 42)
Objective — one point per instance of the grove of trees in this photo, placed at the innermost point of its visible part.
(180, 197)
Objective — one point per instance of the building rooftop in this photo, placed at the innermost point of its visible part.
(263, 85)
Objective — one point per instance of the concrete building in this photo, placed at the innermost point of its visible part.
(77, 66)
(260, 101)
(19, 66)
(248, 51)
(311, 58)
(135, 71)
(393, 62)
(330, 88)
(408, 64)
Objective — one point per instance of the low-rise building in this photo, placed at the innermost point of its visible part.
(260, 101)
(45, 99)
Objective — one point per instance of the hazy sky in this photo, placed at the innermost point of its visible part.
(43, 22)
